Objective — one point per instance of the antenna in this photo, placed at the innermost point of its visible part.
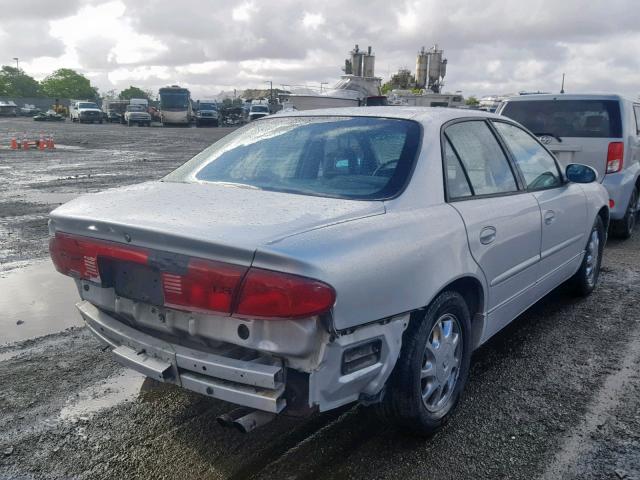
(562, 88)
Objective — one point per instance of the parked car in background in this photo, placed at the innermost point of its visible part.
(319, 258)
(114, 110)
(85, 112)
(258, 111)
(137, 114)
(602, 131)
(49, 116)
(207, 113)
(29, 110)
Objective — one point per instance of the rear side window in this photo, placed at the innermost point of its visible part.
(568, 118)
(457, 183)
(536, 164)
(636, 111)
(482, 158)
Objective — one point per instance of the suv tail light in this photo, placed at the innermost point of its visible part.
(615, 156)
(206, 285)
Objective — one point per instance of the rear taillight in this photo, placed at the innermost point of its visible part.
(206, 285)
(615, 155)
(268, 294)
(78, 256)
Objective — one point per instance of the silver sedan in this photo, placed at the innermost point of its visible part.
(314, 259)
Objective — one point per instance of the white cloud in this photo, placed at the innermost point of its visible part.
(313, 20)
(243, 12)
(209, 45)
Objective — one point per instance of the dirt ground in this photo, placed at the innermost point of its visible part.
(556, 395)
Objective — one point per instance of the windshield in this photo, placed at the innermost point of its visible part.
(87, 105)
(208, 106)
(136, 108)
(343, 157)
(174, 100)
(259, 108)
(568, 118)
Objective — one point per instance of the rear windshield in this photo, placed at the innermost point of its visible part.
(568, 118)
(259, 109)
(342, 157)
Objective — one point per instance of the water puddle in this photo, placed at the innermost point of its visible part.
(36, 301)
(114, 390)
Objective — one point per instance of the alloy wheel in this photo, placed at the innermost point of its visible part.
(593, 253)
(441, 362)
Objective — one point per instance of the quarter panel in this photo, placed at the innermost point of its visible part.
(380, 266)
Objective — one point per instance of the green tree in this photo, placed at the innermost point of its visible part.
(67, 83)
(135, 92)
(472, 101)
(16, 83)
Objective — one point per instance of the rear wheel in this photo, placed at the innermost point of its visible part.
(433, 367)
(586, 278)
(624, 227)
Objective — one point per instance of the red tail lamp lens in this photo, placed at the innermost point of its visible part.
(78, 256)
(268, 294)
(207, 285)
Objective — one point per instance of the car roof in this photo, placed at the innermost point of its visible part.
(421, 114)
(569, 96)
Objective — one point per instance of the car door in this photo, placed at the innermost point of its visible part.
(502, 220)
(563, 206)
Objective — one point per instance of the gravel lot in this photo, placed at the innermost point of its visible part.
(555, 395)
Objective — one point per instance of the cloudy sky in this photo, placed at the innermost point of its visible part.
(493, 46)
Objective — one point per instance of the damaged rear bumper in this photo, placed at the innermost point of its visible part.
(256, 383)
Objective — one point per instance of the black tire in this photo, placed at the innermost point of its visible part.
(100, 122)
(586, 278)
(624, 227)
(403, 404)
(128, 123)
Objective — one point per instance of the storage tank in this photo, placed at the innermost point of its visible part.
(422, 61)
(356, 61)
(368, 64)
(435, 65)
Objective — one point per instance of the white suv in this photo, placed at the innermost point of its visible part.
(602, 131)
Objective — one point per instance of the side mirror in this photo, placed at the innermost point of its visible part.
(578, 173)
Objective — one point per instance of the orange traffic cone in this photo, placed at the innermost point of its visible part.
(25, 143)
(41, 144)
(50, 143)
(14, 142)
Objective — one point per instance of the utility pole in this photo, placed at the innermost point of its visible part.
(562, 88)
(322, 83)
(17, 63)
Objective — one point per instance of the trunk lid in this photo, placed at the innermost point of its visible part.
(214, 221)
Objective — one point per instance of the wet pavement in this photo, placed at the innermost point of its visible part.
(555, 395)
(36, 301)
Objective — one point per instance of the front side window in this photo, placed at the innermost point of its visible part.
(538, 167)
(342, 157)
(636, 111)
(482, 158)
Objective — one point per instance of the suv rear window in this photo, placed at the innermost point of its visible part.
(568, 118)
(343, 157)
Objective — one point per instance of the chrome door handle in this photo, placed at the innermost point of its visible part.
(487, 235)
(549, 217)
